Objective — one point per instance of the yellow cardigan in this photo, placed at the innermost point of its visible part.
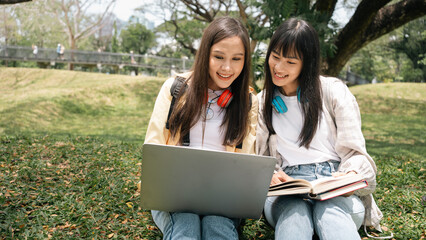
(157, 132)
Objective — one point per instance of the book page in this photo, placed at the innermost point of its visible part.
(340, 191)
(295, 186)
(291, 183)
(328, 183)
(290, 191)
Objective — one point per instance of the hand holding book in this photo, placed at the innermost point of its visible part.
(320, 189)
(280, 177)
(338, 174)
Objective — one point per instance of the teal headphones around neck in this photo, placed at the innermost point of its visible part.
(279, 104)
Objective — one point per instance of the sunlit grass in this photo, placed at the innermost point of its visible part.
(36, 102)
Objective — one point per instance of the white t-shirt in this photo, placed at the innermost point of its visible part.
(288, 127)
(213, 133)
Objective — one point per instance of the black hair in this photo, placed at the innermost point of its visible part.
(296, 37)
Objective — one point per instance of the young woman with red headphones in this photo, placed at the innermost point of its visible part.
(212, 108)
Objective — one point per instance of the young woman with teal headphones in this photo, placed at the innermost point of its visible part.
(312, 125)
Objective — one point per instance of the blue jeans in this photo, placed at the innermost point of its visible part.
(294, 217)
(192, 226)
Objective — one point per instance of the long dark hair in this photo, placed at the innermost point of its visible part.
(296, 37)
(189, 110)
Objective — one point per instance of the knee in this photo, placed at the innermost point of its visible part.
(287, 208)
(186, 218)
(217, 227)
(292, 207)
(350, 206)
(212, 220)
(358, 211)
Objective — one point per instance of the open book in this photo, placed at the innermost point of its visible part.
(320, 189)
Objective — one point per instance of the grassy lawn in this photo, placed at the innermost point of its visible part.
(70, 147)
(36, 102)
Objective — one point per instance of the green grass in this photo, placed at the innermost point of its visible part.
(81, 188)
(70, 147)
(37, 102)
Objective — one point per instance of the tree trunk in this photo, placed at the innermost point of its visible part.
(72, 48)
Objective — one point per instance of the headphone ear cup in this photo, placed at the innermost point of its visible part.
(298, 93)
(225, 98)
(279, 105)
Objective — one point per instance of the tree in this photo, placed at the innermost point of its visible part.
(36, 28)
(137, 38)
(75, 20)
(397, 56)
(8, 25)
(173, 51)
(370, 20)
(411, 42)
(376, 60)
(102, 39)
(114, 41)
(183, 31)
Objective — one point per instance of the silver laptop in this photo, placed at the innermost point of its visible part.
(205, 182)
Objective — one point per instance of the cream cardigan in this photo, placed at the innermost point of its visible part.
(343, 116)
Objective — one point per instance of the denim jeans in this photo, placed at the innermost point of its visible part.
(192, 226)
(294, 217)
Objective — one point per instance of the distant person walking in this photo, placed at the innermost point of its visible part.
(132, 57)
(35, 50)
(58, 50)
(62, 51)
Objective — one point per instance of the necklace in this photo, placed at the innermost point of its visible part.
(209, 111)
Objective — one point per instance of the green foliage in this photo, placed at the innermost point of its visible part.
(114, 40)
(70, 154)
(8, 31)
(375, 61)
(410, 73)
(170, 52)
(397, 56)
(184, 30)
(276, 11)
(258, 62)
(137, 38)
(410, 41)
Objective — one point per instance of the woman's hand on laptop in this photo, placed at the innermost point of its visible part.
(280, 177)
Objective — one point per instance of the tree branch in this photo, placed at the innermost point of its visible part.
(363, 16)
(393, 16)
(349, 39)
(371, 20)
(182, 43)
(13, 1)
(97, 25)
(243, 13)
(325, 6)
(199, 9)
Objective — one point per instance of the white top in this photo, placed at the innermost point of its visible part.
(213, 133)
(288, 127)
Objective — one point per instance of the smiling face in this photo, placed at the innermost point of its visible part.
(285, 71)
(226, 62)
